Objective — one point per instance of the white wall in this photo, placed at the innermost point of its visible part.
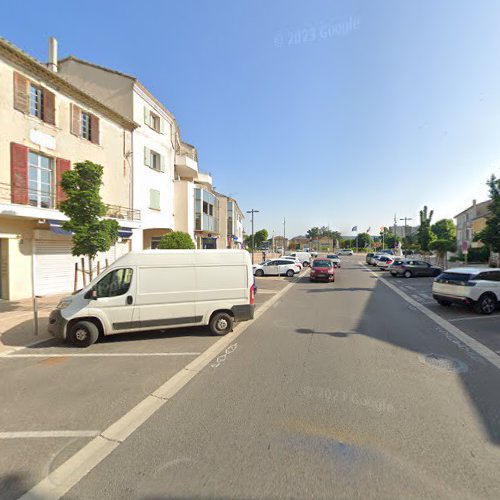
(144, 177)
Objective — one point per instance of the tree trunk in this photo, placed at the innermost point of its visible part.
(91, 274)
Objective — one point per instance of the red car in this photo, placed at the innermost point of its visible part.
(322, 270)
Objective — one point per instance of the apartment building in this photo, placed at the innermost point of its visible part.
(231, 222)
(46, 125)
(470, 222)
(156, 144)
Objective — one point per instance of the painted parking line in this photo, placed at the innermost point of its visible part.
(62, 479)
(266, 291)
(465, 318)
(46, 434)
(450, 331)
(102, 355)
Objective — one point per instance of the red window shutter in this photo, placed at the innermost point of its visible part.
(94, 129)
(76, 120)
(19, 173)
(49, 107)
(21, 94)
(61, 167)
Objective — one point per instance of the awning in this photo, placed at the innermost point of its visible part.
(56, 227)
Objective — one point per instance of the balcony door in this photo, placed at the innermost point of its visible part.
(41, 180)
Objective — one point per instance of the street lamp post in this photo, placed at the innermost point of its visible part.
(284, 235)
(253, 240)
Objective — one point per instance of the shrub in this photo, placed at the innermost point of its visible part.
(176, 240)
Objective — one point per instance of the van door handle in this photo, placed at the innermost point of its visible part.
(130, 299)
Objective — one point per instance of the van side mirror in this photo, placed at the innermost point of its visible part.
(91, 294)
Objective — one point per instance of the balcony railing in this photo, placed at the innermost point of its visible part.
(34, 198)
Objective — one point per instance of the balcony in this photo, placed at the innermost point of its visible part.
(204, 178)
(26, 202)
(186, 161)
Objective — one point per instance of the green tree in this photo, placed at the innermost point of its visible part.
(444, 229)
(176, 240)
(442, 247)
(314, 233)
(85, 209)
(259, 238)
(425, 234)
(490, 235)
(364, 240)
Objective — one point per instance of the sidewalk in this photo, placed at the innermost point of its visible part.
(17, 324)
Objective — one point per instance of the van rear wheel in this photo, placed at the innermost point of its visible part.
(83, 334)
(221, 323)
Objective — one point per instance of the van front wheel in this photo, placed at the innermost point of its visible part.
(221, 323)
(83, 334)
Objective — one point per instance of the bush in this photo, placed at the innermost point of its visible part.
(176, 240)
(478, 254)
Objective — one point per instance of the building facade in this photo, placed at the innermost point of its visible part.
(231, 223)
(470, 222)
(46, 125)
(155, 144)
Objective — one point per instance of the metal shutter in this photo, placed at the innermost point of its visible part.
(55, 267)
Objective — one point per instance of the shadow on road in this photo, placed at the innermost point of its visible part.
(331, 334)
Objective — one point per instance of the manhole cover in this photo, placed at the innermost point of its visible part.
(445, 363)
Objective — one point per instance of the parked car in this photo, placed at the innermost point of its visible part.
(293, 259)
(276, 267)
(346, 251)
(387, 251)
(476, 287)
(412, 268)
(159, 289)
(314, 254)
(396, 265)
(322, 270)
(369, 256)
(384, 261)
(304, 257)
(374, 259)
(334, 258)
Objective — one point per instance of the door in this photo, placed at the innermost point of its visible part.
(283, 266)
(270, 267)
(115, 297)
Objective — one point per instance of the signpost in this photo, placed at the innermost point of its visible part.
(465, 250)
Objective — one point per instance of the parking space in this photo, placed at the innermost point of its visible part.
(483, 328)
(64, 396)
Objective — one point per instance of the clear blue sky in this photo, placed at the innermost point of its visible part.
(338, 113)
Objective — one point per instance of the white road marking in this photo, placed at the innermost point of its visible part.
(18, 348)
(447, 327)
(101, 355)
(46, 434)
(260, 290)
(493, 316)
(61, 480)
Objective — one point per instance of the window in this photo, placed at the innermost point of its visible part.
(153, 160)
(40, 180)
(36, 101)
(154, 199)
(205, 207)
(155, 240)
(153, 120)
(114, 284)
(86, 126)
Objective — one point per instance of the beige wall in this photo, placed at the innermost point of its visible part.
(112, 88)
(16, 126)
(222, 240)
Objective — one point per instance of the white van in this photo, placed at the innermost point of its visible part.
(159, 289)
(304, 257)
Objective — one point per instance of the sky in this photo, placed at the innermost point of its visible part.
(339, 113)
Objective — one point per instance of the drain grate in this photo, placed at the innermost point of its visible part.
(443, 362)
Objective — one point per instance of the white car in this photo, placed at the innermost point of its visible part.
(335, 259)
(384, 261)
(294, 260)
(346, 251)
(276, 267)
(472, 286)
(375, 257)
(304, 257)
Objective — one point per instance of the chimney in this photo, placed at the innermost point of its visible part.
(473, 203)
(52, 64)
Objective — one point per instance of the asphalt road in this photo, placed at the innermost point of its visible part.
(340, 390)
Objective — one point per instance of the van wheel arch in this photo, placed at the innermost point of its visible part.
(91, 319)
(213, 320)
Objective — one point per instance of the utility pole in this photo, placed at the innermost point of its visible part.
(253, 240)
(404, 229)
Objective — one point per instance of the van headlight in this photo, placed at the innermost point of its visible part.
(63, 304)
